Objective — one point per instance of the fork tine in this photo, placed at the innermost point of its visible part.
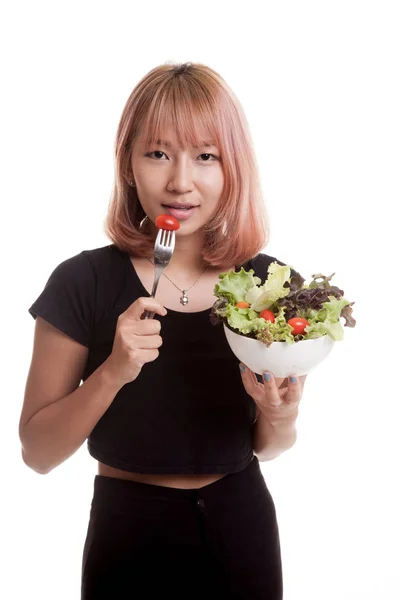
(159, 237)
(164, 237)
(165, 241)
(171, 239)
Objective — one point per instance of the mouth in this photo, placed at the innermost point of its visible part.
(181, 206)
(179, 211)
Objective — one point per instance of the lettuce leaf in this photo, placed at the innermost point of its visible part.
(266, 295)
(234, 285)
(244, 320)
(327, 320)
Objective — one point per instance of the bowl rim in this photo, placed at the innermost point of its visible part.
(280, 341)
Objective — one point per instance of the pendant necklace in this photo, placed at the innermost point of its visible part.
(183, 299)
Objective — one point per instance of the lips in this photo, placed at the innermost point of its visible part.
(182, 214)
(180, 206)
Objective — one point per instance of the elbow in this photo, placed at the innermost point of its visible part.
(266, 455)
(32, 454)
(36, 465)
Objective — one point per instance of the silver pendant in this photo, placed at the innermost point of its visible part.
(184, 299)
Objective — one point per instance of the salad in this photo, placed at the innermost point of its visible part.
(283, 309)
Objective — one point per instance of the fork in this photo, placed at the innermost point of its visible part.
(163, 249)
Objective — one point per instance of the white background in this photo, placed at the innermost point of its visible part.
(319, 82)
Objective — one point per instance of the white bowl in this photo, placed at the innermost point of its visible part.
(281, 359)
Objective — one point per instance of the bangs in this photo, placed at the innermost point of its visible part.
(187, 111)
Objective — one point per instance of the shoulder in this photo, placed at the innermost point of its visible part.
(103, 256)
(94, 261)
(261, 262)
(88, 267)
(79, 289)
(264, 260)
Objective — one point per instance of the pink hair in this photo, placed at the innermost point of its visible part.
(186, 95)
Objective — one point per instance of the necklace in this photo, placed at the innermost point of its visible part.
(183, 299)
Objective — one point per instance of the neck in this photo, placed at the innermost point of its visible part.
(187, 256)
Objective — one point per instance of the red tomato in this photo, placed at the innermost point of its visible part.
(242, 304)
(299, 324)
(268, 315)
(167, 222)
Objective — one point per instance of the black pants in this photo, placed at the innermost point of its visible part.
(220, 541)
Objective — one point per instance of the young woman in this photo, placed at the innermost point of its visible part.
(177, 426)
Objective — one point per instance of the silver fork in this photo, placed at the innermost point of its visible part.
(163, 249)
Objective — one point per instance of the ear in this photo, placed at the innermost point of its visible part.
(127, 173)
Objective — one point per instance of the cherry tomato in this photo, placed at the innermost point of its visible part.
(268, 315)
(167, 222)
(299, 324)
(242, 304)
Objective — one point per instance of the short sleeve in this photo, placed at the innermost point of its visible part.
(68, 299)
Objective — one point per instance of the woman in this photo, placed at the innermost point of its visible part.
(180, 504)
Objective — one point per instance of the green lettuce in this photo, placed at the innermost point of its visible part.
(327, 320)
(262, 297)
(321, 303)
(244, 319)
(234, 286)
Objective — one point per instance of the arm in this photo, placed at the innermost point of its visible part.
(58, 415)
(277, 400)
(269, 440)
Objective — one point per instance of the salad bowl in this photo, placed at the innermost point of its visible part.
(280, 358)
(282, 325)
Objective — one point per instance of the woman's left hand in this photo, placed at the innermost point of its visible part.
(277, 398)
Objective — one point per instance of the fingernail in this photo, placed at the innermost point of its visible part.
(242, 368)
(293, 380)
(267, 376)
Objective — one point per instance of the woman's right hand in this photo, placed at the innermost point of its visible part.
(136, 341)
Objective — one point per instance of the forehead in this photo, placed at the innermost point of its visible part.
(174, 143)
(170, 138)
(180, 123)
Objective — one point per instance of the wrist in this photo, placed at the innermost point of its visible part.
(108, 378)
(278, 423)
(283, 431)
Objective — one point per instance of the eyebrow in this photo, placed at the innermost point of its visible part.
(168, 144)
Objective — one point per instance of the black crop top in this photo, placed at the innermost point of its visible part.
(187, 411)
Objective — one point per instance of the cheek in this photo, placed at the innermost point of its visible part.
(214, 183)
(148, 179)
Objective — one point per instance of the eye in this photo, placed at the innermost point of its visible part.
(208, 157)
(156, 154)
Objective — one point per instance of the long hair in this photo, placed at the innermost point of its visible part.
(185, 96)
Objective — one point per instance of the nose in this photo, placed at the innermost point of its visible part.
(181, 176)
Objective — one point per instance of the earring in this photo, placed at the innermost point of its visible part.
(142, 222)
(132, 183)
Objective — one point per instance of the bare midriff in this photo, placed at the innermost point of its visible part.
(186, 482)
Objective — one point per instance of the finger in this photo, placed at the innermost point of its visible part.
(251, 384)
(295, 389)
(145, 326)
(137, 308)
(147, 355)
(271, 390)
(148, 341)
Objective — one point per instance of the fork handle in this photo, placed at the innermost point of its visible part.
(148, 314)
